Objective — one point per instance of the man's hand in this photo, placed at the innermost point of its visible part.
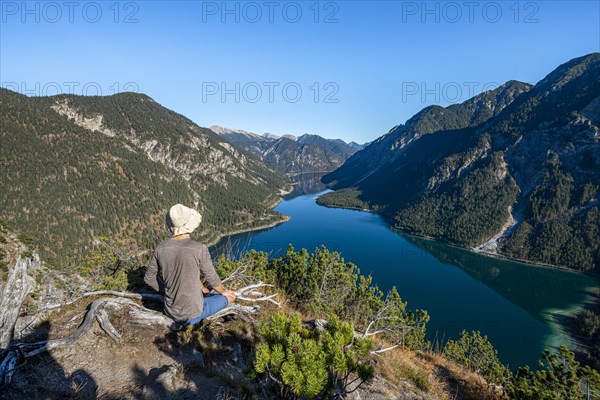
(230, 296)
(226, 292)
(204, 289)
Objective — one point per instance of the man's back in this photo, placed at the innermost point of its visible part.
(177, 266)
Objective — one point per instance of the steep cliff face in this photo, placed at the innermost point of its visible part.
(76, 168)
(514, 171)
(164, 137)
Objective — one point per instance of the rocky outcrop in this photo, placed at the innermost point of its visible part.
(211, 361)
(222, 159)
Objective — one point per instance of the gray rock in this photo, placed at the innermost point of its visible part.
(237, 355)
(198, 358)
(167, 378)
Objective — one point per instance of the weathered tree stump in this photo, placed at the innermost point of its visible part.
(12, 295)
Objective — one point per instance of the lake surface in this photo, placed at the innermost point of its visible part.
(516, 305)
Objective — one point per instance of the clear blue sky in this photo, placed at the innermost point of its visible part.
(381, 61)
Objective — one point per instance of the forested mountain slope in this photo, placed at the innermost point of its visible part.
(75, 168)
(520, 179)
(431, 119)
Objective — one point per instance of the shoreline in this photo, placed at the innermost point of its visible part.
(285, 219)
(470, 250)
(258, 228)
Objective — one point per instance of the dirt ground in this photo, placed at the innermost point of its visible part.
(148, 363)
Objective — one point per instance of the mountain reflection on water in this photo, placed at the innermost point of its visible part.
(535, 288)
(307, 183)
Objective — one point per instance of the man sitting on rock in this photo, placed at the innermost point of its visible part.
(178, 268)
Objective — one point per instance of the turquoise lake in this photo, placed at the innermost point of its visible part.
(516, 305)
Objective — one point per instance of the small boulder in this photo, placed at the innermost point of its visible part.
(198, 358)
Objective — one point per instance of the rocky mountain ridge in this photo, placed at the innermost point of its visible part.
(290, 154)
(387, 148)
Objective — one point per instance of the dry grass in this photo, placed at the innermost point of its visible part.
(462, 384)
(401, 367)
(434, 376)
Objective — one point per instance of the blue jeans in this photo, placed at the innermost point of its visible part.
(213, 303)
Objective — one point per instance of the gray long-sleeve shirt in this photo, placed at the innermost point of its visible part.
(177, 267)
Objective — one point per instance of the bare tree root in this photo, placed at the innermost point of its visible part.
(101, 309)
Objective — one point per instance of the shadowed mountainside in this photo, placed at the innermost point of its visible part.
(513, 172)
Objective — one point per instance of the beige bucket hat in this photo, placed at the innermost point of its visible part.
(182, 219)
